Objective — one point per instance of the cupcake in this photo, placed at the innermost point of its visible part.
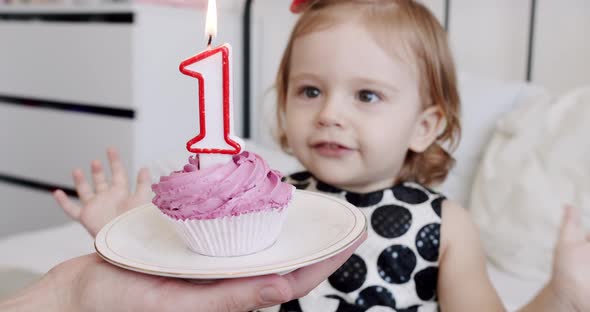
(231, 209)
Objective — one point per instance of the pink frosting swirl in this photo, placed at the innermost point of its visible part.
(245, 184)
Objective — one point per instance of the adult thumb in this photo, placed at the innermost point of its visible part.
(243, 294)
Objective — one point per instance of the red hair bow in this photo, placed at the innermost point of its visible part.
(298, 5)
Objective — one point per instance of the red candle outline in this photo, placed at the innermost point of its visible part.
(226, 122)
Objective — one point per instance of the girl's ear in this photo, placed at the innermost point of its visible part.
(429, 126)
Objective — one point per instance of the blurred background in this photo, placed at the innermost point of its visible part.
(78, 76)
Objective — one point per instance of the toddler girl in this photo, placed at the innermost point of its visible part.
(368, 102)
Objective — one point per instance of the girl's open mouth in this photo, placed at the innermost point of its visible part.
(330, 149)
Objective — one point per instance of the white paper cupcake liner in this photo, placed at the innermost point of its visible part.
(232, 236)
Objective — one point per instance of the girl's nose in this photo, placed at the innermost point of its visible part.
(329, 115)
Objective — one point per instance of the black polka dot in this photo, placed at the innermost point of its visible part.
(391, 221)
(426, 281)
(410, 309)
(437, 205)
(364, 200)
(350, 276)
(428, 241)
(409, 195)
(396, 264)
(301, 186)
(300, 176)
(291, 306)
(344, 306)
(283, 179)
(375, 296)
(321, 186)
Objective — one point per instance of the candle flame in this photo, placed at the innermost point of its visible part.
(211, 20)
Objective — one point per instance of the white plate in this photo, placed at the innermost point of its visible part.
(317, 227)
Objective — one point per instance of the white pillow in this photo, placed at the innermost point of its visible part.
(484, 101)
(537, 161)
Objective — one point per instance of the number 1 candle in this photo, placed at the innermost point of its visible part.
(212, 68)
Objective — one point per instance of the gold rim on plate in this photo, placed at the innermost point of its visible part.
(245, 272)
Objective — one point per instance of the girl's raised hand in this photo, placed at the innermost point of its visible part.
(571, 266)
(105, 200)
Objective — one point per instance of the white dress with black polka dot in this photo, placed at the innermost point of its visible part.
(396, 268)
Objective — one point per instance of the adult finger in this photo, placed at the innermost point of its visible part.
(305, 279)
(83, 189)
(98, 177)
(70, 208)
(117, 168)
(144, 182)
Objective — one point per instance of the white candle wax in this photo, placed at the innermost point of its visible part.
(216, 142)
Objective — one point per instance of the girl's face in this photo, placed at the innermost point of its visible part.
(353, 111)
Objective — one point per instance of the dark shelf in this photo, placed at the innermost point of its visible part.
(70, 17)
(35, 185)
(83, 108)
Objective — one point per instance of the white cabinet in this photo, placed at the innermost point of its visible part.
(44, 145)
(71, 88)
(73, 62)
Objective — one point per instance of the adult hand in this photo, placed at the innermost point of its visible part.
(90, 284)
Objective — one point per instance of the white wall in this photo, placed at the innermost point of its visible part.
(166, 99)
(562, 44)
(272, 25)
(489, 38)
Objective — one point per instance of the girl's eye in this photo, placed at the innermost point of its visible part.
(368, 96)
(310, 92)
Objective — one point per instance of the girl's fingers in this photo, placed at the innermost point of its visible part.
(117, 168)
(571, 226)
(70, 208)
(98, 177)
(144, 182)
(82, 187)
